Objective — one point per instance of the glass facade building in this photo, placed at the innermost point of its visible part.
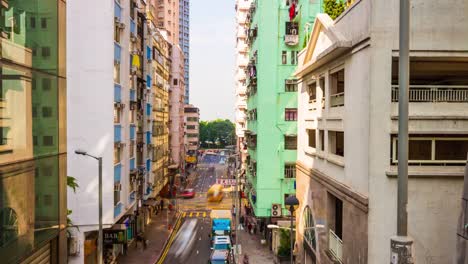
(33, 212)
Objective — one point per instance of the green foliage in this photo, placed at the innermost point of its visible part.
(72, 183)
(285, 243)
(217, 133)
(334, 8)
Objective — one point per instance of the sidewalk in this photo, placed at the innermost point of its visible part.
(156, 233)
(251, 246)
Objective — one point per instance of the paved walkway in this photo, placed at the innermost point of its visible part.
(257, 253)
(156, 233)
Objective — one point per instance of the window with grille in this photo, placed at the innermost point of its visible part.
(290, 114)
(289, 171)
(290, 85)
(284, 57)
(290, 142)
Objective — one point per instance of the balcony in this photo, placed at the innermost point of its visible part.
(117, 11)
(117, 173)
(148, 53)
(148, 109)
(132, 95)
(434, 93)
(148, 137)
(132, 28)
(117, 133)
(148, 165)
(132, 164)
(132, 132)
(337, 99)
(117, 210)
(291, 37)
(335, 245)
(117, 93)
(148, 81)
(117, 52)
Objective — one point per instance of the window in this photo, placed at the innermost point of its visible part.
(433, 149)
(192, 135)
(34, 112)
(46, 84)
(116, 72)
(290, 114)
(45, 51)
(312, 140)
(116, 33)
(293, 57)
(131, 116)
(322, 90)
(290, 85)
(116, 155)
(284, 57)
(116, 115)
(32, 22)
(34, 140)
(310, 238)
(289, 171)
(191, 127)
(131, 149)
(337, 86)
(43, 22)
(322, 140)
(46, 111)
(290, 142)
(336, 142)
(48, 140)
(176, 82)
(116, 196)
(335, 215)
(312, 91)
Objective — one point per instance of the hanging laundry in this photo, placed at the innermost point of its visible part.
(136, 61)
(292, 11)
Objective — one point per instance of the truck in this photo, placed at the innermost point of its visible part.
(221, 221)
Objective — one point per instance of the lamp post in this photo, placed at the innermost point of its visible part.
(100, 235)
(291, 201)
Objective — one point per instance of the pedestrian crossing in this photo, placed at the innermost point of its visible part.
(195, 214)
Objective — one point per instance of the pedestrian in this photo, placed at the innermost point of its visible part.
(246, 259)
(234, 210)
(249, 227)
(255, 229)
(242, 220)
(162, 204)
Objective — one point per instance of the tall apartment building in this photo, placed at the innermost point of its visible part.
(33, 147)
(114, 122)
(161, 86)
(242, 53)
(276, 34)
(348, 126)
(192, 128)
(176, 108)
(184, 41)
(167, 18)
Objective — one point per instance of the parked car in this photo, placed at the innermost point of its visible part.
(187, 193)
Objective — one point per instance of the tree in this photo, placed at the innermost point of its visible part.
(334, 8)
(217, 133)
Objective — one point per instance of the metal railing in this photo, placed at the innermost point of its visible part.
(335, 244)
(337, 99)
(289, 172)
(434, 93)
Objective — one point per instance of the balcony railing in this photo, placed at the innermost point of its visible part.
(291, 36)
(117, 93)
(335, 245)
(337, 99)
(117, 133)
(290, 172)
(434, 93)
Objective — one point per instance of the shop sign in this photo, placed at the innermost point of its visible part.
(226, 182)
(114, 236)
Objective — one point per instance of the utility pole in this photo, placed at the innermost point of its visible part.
(401, 245)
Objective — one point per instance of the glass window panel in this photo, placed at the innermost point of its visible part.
(451, 149)
(419, 149)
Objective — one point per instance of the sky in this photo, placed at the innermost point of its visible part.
(212, 58)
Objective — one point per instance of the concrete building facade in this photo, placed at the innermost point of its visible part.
(184, 42)
(275, 37)
(192, 128)
(348, 125)
(242, 54)
(33, 127)
(167, 18)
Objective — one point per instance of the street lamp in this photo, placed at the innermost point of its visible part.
(291, 201)
(100, 235)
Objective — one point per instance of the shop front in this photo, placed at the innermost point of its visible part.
(115, 241)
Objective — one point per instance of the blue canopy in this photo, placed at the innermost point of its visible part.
(221, 224)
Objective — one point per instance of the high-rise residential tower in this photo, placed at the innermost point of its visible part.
(168, 18)
(33, 128)
(184, 41)
(276, 35)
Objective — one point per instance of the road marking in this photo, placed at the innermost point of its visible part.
(204, 214)
(197, 213)
(184, 214)
(169, 243)
(191, 213)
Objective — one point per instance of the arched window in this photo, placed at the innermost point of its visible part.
(309, 229)
(8, 226)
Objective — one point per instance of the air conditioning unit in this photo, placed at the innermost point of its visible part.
(121, 25)
(276, 210)
(117, 187)
(116, 20)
